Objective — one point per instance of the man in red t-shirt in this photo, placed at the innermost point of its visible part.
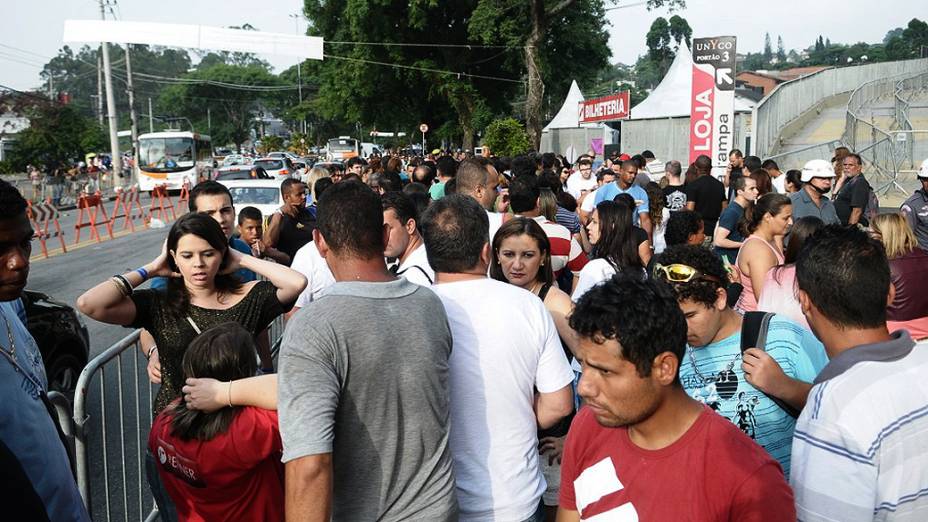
(641, 448)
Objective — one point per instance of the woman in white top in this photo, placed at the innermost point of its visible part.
(615, 245)
(660, 214)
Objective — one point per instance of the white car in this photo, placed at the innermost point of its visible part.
(263, 194)
(277, 167)
(235, 159)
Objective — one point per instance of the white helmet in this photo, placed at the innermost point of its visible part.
(818, 168)
(923, 172)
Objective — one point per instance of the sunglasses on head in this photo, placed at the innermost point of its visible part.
(680, 273)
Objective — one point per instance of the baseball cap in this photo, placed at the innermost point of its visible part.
(625, 157)
(817, 168)
(923, 172)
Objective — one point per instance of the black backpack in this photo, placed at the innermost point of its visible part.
(754, 328)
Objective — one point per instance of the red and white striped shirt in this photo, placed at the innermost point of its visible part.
(565, 250)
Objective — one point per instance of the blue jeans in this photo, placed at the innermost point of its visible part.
(539, 514)
(166, 510)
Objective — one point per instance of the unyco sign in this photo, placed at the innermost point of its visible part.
(607, 108)
(712, 113)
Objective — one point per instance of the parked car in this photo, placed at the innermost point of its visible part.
(241, 172)
(276, 167)
(235, 159)
(284, 154)
(264, 194)
(61, 334)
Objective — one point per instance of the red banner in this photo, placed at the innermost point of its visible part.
(607, 108)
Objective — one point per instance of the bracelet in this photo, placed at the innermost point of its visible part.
(152, 350)
(230, 394)
(142, 272)
(127, 287)
(122, 285)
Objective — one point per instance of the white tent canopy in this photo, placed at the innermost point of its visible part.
(672, 97)
(569, 115)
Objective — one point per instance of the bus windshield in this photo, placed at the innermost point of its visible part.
(342, 145)
(166, 154)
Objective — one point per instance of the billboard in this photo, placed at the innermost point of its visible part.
(712, 110)
(607, 108)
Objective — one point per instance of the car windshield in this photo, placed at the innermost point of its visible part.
(233, 160)
(270, 164)
(236, 174)
(166, 154)
(255, 195)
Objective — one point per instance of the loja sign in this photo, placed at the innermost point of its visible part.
(607, 108)
(712, 113)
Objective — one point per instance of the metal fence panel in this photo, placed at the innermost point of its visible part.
(791, 99)
(112, 410)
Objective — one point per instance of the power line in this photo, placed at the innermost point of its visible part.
(14, 58)
(450, 46)
(424, 69)
(196, 81)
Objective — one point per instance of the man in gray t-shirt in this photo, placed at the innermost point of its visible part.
(364, 383)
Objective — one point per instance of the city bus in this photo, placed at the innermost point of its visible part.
(172, 157)
(342, 148)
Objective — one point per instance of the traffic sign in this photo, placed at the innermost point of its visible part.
(423, 128)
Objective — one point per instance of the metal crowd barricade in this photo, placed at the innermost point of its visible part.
(116, 485)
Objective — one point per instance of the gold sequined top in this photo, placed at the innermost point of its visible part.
(173, 334)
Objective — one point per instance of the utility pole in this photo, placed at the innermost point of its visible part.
(100, 86)
(151, 120)
(110, 101)
(299, 72)
(209, 120)
(133, 118)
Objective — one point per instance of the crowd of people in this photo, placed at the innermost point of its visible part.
(516, 339)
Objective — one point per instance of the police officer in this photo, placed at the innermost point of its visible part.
(915, 209)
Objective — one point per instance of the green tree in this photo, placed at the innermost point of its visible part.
(781, 51)
(680, 31)
(507, 137)
(230, 111)
(57, 135)
(768, 50)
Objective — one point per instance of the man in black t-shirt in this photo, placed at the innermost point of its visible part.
(674, 194)
(706, 195)
(734, 169)
(852, 200)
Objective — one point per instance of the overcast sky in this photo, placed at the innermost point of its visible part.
(35, 26)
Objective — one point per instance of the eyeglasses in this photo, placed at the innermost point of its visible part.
(680, 273)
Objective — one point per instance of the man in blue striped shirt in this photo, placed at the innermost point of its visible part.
(860, 448)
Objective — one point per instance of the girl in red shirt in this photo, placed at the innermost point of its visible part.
(221, 465)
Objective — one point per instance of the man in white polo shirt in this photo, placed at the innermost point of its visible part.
(404, 242)
(509, 375)
(861, 443)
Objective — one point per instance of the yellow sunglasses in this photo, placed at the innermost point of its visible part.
(680, 273)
